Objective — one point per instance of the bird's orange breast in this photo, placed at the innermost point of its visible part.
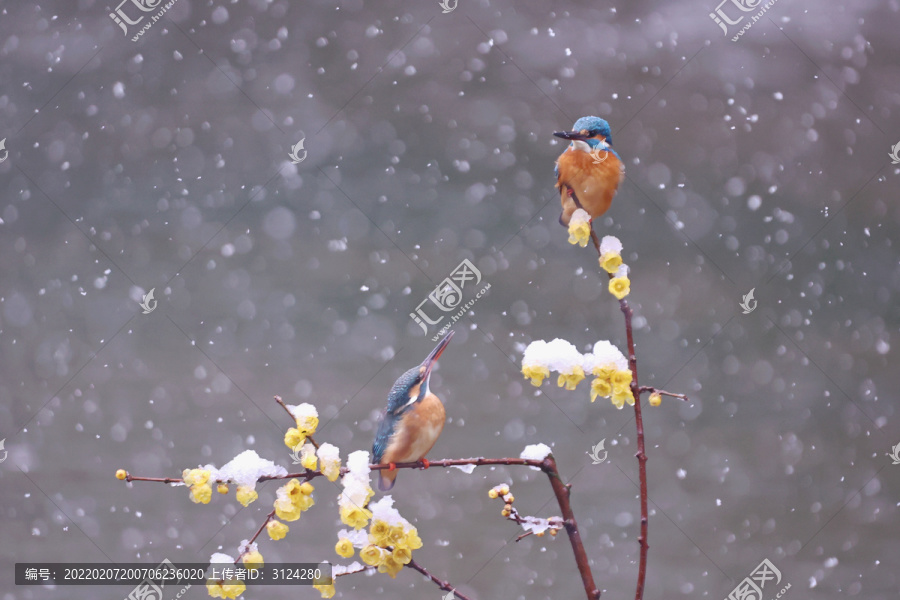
(594, 184)
(416, 432)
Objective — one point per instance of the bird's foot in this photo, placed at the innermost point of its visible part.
(424, 463)
(392, 467)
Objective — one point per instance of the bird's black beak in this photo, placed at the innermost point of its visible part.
(572, 135)
(435, 354)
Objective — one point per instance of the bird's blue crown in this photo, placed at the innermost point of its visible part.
(595, 126)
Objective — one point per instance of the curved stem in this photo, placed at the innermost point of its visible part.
(562, 497)
(444, 585)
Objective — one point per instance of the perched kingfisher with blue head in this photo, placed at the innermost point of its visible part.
(412, 421)
(589, 171)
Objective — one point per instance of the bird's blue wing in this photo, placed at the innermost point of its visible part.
(382, 438)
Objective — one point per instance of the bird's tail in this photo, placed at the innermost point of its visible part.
(386, 479)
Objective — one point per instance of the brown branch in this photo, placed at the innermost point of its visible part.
(308, 475)
(640, 454)
(444, 585)
(639, 422)
(561, 490)
(256, 535)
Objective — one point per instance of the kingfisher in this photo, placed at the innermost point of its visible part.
(589, 172)
(412, 421)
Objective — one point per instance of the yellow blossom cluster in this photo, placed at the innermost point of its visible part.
(534, 525)
(579, 227)
(611, 262)
(198, 480)
(231, 588)
(292, 499)
(225, 588)
(391, 539)
(612, 375)
(306, 418)
(357, 491)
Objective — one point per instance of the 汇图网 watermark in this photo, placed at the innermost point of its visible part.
(447, 296)
(751, 588)
(123, 19)
(723, 19)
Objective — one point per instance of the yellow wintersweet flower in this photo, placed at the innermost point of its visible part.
(287, 510)
(195, 476)
(246, 495)
(355, 517)
(371, 555)
(572, 379)
(397, 535)
(306, 488)
(225, 589)
(402, 555)
(253, 560)
(378, 533)
(579, 232)
(276, 529)
(293, 438)
(344, 548)
(413, 541)
(655, 399)
(304, 503)
(307, 425)
(610, 261)
(600, 387)
(121, 474)
(308, 459)
(535, 373)
(621, 378)
(604, 372)
(390, 566)
(619, 287)
(222, 488)
(327, 591)
(618, 403)
(201, 493)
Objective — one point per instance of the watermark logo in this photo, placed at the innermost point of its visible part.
(748, 298)
(447, 296)
(595, 453)
(597, 158)
(751, 588)
(136, 7)
(895, 454)
(5, 453)
(295, 152)
(445, 4)
(153, 590)
(737, 7)
(295, 455)
(6, 152)
(146, 300)
(894, 154)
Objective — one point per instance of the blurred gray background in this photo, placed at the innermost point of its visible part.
(761, 163)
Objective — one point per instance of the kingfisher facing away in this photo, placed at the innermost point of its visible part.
(412, 421)
(589, 172)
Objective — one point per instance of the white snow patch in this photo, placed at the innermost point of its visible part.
(535, 452)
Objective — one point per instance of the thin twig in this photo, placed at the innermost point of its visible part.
(561, 490)
(256, 535)
(444, 585)
(653, 390)
(288, 411)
